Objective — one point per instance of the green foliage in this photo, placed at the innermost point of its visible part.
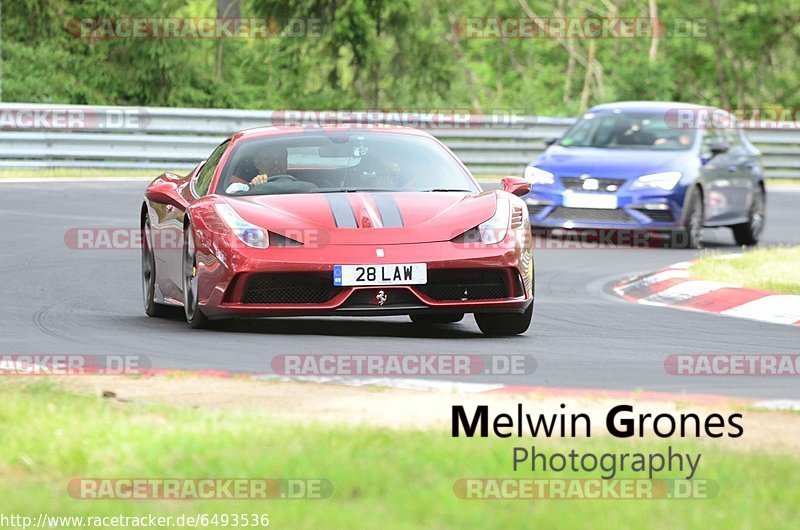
(404, 54)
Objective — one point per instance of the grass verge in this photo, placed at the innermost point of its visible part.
(76, 172)
(783, 182)
(381, 479)
(773, 269)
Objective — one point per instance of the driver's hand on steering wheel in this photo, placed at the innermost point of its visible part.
(259, 179)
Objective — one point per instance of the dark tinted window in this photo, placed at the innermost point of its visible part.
(627, 131)
(733, 137)
(712, 136)
(207, 173)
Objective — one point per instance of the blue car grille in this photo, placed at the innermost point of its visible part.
(535, 209)
(590, 215)
(604, 184)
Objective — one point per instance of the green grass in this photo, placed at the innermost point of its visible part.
(783, 182)
(381, 479)
(774, 269)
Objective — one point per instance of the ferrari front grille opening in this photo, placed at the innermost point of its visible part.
(470, 237)
(466, 284)
(277, 240)
(288, 288)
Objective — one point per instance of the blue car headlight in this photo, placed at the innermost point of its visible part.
(539, 176)
(664, 181)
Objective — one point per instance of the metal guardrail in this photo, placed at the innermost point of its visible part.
(34, 136)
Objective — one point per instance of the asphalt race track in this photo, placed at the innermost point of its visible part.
(68, 301)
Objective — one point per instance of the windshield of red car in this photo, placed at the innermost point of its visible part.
(625, 130)
(341, 161)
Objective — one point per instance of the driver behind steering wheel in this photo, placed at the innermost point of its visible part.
(258, 169)
(274, 161)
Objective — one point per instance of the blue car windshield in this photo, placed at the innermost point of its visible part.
(642, 131)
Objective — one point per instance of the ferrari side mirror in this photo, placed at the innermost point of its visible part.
(516, 186)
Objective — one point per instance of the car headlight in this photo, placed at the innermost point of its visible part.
(539, 176)
(495, 229)
(663, 181)
(248, 233)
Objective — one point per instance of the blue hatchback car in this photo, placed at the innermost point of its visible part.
(665, 167)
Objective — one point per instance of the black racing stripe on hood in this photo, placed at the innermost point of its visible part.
(388, 210)
(342, 212)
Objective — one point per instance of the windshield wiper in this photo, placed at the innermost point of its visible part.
(353, 190)
(372, 190)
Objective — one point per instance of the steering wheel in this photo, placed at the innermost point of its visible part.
(282, 177)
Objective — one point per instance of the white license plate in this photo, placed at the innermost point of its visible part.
(590, 200)
(404, 274)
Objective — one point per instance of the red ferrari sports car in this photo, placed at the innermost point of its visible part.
(339, 220)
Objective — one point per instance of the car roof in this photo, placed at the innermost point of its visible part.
(279, 130)
(649, 106)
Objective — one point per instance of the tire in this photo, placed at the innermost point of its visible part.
(191, 307)
(505, 324)
(151, 307)
(428, 320)
(691, 236)
(747, 234)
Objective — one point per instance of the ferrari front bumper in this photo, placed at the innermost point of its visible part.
(298, 281)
